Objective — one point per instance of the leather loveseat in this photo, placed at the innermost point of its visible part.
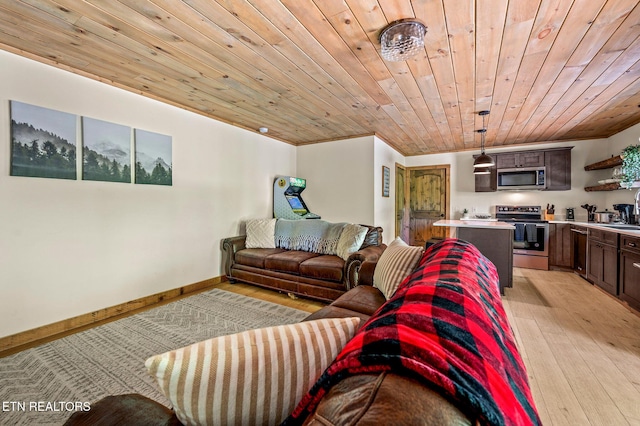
(303, 273)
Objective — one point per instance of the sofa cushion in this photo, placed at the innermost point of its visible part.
(253, 377)
(261, 233)
(255, 257)
(288, 261)
(350, 240)
(361, 301)
(395, 264)
(323, 267)
(385, 399)
(363, 298)
(373, 236)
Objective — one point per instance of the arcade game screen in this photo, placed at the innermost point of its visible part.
(295, 203)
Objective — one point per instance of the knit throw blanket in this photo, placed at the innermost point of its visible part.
(317, 236)
(446, 326)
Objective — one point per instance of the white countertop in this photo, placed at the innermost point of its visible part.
(601, 226)
(475, 223)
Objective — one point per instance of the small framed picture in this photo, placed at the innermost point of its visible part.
(385, 181)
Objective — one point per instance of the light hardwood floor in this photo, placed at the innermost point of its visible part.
(580, 346)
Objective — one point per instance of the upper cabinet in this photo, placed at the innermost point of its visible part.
(557, 163)
(512, 160)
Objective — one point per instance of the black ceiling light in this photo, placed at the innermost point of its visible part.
(483, 161)
(402, 39)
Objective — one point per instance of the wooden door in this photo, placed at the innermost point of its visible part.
(402, 226)
(428, 202)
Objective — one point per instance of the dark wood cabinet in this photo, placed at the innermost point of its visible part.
(560, 245)
(602, 264)
(557, 163)
(558, 169)
(579, 250)
(509, 160)
(497, 246)
(489, 182)
(630, 270)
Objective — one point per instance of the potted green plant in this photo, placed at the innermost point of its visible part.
(630, 166)
(465, 213)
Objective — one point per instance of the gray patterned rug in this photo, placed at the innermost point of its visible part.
(38, 384)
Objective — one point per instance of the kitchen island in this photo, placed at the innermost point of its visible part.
(493, 238)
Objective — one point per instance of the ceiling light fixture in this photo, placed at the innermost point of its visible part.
(483, 161)
(401, 40)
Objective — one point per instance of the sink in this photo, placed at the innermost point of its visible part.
(621, 226)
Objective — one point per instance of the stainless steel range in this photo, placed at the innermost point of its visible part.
(531, 236)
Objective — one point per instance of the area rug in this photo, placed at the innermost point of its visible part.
(46, 384)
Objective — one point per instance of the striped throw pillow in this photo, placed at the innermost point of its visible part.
(255, 377)
(395, 264)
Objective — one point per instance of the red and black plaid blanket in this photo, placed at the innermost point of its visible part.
(445, 325)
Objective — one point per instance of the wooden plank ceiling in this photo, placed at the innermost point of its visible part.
(310, 70)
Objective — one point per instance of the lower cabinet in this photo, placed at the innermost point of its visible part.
(630, 271)
(560, 245)
(602, 265)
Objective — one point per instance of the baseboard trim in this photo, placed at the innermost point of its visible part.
(20, 341)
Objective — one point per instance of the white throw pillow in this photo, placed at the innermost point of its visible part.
(351, 239)
(395, 264)
(252, 378)
(261, 233)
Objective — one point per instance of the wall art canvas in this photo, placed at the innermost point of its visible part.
(106, 151)
(43, 142)
(153, 158)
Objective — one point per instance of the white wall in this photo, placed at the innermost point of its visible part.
(384, 207)
(340, 179)
(616, 144)
(72, 247)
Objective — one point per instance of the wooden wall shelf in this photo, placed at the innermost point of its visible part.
(604, 164)
(606, 187)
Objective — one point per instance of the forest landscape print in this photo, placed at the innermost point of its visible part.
(43, 142)
(153, 158)
(106, 151)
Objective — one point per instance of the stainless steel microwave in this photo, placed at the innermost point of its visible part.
(521, 178)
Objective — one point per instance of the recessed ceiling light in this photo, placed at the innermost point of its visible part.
(263, 130)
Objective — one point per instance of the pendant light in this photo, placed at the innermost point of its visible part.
(483, 161)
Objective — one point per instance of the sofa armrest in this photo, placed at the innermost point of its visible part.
(354, 263)
(230, 246)
(365, 273)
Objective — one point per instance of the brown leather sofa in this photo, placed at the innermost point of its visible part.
(364, 398)
(302, 273)
(372, 399)
(377, 399)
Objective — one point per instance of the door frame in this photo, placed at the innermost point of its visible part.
(404, 222)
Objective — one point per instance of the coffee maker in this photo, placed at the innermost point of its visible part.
(626, 212)
(571, 213)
